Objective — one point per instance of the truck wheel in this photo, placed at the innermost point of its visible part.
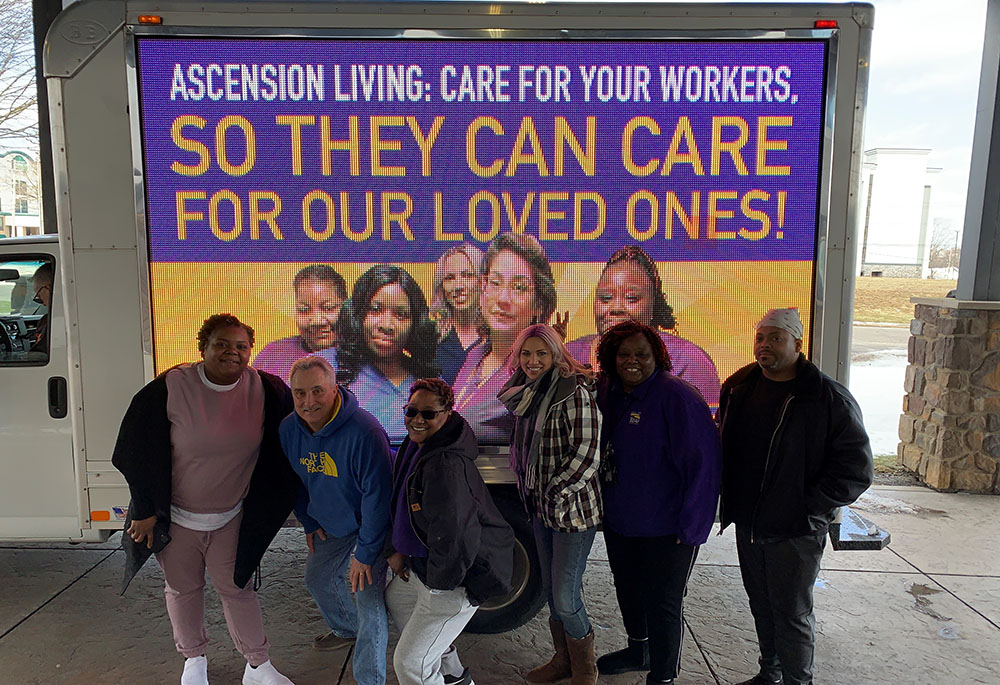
(526, 597)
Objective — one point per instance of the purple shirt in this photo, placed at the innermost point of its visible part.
(689, 362)
(404, 539)
(476, 398)
(667, 456)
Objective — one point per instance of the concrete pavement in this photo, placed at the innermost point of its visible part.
(925, 610)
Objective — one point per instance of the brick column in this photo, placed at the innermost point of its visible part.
(950, 427)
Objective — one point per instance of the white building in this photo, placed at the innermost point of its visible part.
(19, 191)
(894, 237)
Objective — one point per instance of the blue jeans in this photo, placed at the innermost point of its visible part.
(563, 558)
(326, 578)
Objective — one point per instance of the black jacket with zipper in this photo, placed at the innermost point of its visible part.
(468, 541)
(819, 458)
(143, 454)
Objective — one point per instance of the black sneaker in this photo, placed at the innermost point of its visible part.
(464, 679)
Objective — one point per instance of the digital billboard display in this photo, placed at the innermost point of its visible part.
(404, 207)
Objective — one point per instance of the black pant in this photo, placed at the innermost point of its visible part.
(651, 576)
(779, 579)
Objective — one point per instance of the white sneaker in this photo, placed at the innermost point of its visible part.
(265, 674)
(195, 671)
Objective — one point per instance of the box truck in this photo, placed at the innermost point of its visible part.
(208, 154)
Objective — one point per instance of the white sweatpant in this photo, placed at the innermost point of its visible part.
(428, 620)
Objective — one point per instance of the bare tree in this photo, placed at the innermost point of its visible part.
(945, 248)
(18, 114)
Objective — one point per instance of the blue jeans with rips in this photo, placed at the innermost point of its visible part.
(363, 616)
(563, 559)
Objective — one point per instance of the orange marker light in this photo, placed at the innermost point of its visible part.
(825, 24)
(150, 19)
(100, 516)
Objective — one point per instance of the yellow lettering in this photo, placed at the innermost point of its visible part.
(517, 223)
(691, 222)
(714, 214)
(564, 136)
(295, 122)
(683, 134)
(213, 215)
(183, 215)
(352, 145)
(425, 143)
(764, 144)
(331, 222)
(439, 232)
(527, 133)
(200, 149)
(635, 123)
(249, 141)
(733, 147)
(654, 215)
(345, 222)
(390, 217)
(270, 217)
(379, 145)
(755, 215)
(484, 196)
(470, 146)
(602, 215)
(545, 215)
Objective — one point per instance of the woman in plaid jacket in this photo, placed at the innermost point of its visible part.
(555, 453)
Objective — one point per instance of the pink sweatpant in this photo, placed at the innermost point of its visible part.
(184, 561)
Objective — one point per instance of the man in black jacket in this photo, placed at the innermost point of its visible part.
(794, 450)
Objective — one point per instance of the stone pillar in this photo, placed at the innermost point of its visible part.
(950, 427)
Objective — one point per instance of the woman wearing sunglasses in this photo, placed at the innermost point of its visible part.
(447, 531)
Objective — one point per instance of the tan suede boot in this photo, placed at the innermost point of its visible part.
(558, 668)
(582, 660)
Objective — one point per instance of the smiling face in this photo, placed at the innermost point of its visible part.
(535, 357)
(459, 282)
(388, 321)
(316, 309)
(635, 361)
(777, 352)
(226, 354)
(624, 292)
(417, 427)
(509, 294)
(315, 395)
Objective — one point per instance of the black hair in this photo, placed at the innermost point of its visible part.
(663, 313)
(607, 349)
(217, 321)
(436, 386)
(323, 273)
(420, 345)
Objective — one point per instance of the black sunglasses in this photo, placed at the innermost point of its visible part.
(428, 414)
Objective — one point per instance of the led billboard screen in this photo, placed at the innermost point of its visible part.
(452, 191)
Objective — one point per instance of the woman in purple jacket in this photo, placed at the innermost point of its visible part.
(660, 483)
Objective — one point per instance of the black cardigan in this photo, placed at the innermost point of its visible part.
(143, 455)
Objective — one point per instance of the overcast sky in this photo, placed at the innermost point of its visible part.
(923, 88)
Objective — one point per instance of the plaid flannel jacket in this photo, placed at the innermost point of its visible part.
(568, 493)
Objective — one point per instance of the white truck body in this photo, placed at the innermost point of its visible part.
(56, 478)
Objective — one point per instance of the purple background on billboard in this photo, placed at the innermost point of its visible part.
(450, 173)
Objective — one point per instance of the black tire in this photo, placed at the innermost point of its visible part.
(526, 598)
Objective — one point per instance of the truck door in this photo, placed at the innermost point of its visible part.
(38, 483)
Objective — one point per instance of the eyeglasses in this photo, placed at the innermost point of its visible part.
(427, 414)
(37, 299)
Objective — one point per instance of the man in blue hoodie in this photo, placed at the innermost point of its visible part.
(341, 453)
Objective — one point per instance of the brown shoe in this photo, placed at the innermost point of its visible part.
(558, 668)
(329, 642)
(582, 660)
